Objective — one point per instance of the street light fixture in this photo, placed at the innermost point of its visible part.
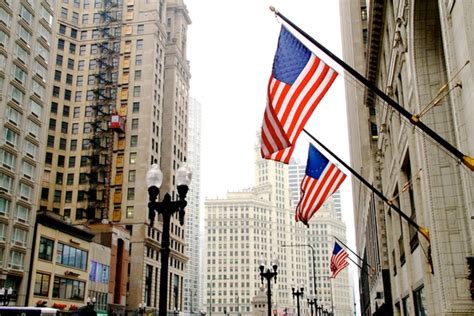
(6, 295)
(319, 310)
(268, 275)
(311, 302)
(297, 293)
(154, 178)
(141, 308)
(91, 303)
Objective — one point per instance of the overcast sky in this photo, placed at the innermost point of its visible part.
(231, 45)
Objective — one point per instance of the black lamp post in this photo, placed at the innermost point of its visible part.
(297, 293)
(319, 310)
(312, 302)
(6, 295)
(268, 275)
(166, 208)
(141, 308)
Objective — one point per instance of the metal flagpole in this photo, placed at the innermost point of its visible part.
(354, 253)
(422, 230)
(414, 119)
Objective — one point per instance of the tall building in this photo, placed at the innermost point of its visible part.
(245, 226)
(333, 294)
(110, 80)
(26, 42)
(192, 279)
(415, 51)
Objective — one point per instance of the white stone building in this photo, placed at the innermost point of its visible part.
(415, 51)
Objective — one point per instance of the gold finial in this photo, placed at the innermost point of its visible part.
(469, 162)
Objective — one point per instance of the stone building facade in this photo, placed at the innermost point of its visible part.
(416, 52)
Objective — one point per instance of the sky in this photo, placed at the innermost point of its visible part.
(231, 45)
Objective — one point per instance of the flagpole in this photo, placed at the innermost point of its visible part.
(422, 230)
(357, 263)
(354, 253)
(414, 119)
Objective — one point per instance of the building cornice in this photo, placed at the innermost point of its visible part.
(375, 30)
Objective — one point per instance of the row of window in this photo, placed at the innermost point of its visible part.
(63, 288)
(65, 254)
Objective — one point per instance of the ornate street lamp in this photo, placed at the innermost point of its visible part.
(268, 275)
(141, 308)
(154, 178)
(91, 303)
(297, 293)
(312, 302)
(6, 295)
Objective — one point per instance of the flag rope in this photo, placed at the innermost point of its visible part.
(466, 160)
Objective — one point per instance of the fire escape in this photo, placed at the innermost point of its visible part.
(107, 126)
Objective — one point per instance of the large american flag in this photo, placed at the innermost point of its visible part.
(298, 82)
(322, 178)
(338, 260)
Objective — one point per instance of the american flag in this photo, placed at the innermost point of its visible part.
(298, 82)
(322, 178)
(338, 260)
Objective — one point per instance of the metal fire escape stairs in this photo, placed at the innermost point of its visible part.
(108, 126)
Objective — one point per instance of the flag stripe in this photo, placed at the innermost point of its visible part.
(316, 191)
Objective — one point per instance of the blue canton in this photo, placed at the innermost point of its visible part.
(316, 163)
(290, 59)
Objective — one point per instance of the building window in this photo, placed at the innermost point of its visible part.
(71, 256)
(133, 158)
(140, 28)
(22, 213)
(61, 44)
(45, 251)
(19, 236)
(4, 206)
(131, 194)
(138, 59)
(136, 91)
(17, 260)
(134, 124)
(72, 162)
(68, 289)
(131, 175)
(2, 231)
(136, 107)
(10, 137)
(6, 182)
(100, 273)
(57, 196)
(129, 212)
(133, 141)
(42, 284)
(62, 29)
(420, 303)
(139, 44)
(138, 75)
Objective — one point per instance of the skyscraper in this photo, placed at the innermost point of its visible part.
(26, 41)
(192, 279)
(324, 226)
(110, 80)
(245, 226)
